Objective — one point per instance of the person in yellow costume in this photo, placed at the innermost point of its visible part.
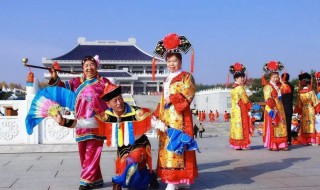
(275, 127)
(307, 106)
(174, 110)
(240, 125)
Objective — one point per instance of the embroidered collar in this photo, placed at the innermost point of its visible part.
(128, 111)
(276, 87)
(167, 82)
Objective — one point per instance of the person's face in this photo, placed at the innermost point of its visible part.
(117, 104)
(275, 78)
(240, 80)
(173, 63)
(89, 69)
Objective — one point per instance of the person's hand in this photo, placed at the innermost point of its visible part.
(53, 73)
(276, 111)
(167, 100)
(59, 119)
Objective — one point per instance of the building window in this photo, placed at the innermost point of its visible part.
(107, 66)
(137, 70)
(228, 102)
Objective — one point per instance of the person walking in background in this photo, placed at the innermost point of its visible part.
(275, 127)
(204, 115)
(176, 170)
(217, 115)
(307, 106)
(195, 130)
(226, 116)
(88, 89)
(240, 125)
(287, 100)
(211, 116)
(201, 130)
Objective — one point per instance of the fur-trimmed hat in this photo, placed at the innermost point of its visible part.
(110, 91)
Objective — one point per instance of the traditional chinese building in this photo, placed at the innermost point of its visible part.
(125, 62)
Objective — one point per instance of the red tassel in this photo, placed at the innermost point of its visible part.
(263, 80)
(228, 80)
(284, 75)
(192, 61)
(153, 69)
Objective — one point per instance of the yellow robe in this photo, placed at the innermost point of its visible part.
(276, 126)
(307, 104)
(240, 121)
(171, 166)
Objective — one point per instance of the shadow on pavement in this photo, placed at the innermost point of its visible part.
(205, 166)
(244, 174)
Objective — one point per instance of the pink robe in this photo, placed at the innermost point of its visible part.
(90, 143)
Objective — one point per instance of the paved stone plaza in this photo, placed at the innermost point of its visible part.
(57, 167)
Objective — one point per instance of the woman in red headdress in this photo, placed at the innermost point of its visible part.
(317, 76)
(240, 125)
(275, 128)
(174, 110)
(307, 106)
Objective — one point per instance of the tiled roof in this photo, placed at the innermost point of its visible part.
(106, 52)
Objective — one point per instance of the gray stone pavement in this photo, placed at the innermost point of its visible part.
(53, 167)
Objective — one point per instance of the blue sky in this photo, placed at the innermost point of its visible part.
(222, 32)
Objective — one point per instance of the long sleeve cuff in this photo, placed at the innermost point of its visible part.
(86, 123)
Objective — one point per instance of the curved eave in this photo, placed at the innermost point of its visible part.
(107, 52)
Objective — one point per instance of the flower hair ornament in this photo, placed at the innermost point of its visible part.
(237, 69)
(96, 57)
(172, 43)
(271, 67)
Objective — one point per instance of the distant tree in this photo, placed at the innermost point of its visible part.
(200, 87)
(3, 84)
(42, 84)
(257, 90)
(5, 95)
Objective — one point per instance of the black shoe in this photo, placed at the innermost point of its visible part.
(98, 186)
(289, 143)
(116, 186)
(154, 184)
(82, 187)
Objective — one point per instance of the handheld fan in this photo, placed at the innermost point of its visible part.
(48, 102)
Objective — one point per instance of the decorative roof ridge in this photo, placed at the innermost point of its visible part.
(130, 42)
(148, 53)
(66, 53)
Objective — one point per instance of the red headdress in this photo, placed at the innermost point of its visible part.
(237, 69)
(173, 43)
(271, 67)
(317, 76)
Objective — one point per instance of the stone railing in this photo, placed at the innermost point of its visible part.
(13, 128)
